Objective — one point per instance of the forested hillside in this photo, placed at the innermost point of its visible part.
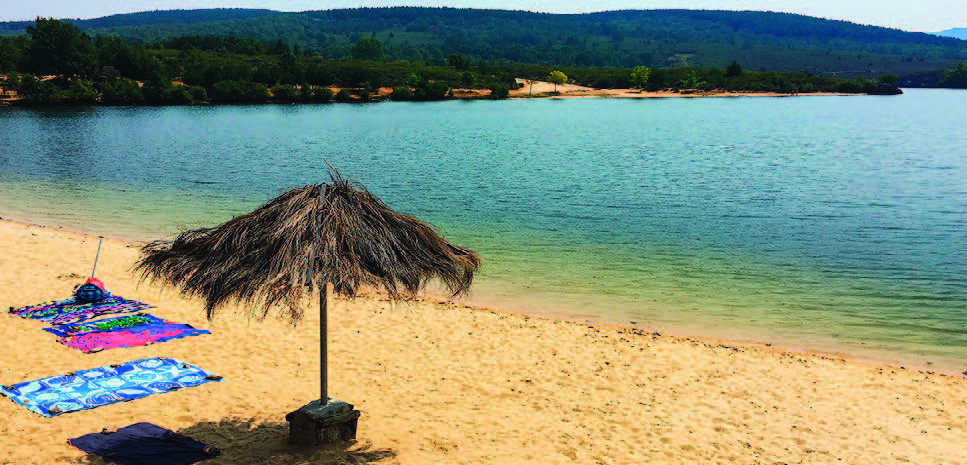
(622, 39)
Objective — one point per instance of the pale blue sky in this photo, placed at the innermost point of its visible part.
(921, 15)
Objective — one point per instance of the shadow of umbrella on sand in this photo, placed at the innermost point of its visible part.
(337, 236)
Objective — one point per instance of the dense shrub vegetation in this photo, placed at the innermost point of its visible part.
(955, 77)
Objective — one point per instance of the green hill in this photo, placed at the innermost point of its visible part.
(621, 39)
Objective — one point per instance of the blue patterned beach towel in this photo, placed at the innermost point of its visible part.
(110, 384)
(70, 311)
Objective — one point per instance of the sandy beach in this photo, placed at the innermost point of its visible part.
(536, 89)
(446, 383)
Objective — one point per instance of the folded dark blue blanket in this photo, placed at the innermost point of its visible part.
(145, 444)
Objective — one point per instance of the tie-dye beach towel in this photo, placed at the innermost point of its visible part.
(125, 331)
(56, 395)
(145, 444)
(70, 311)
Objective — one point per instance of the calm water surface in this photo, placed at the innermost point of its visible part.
(833, 223)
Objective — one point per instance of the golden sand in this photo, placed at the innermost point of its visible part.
(446, 383)
(541, 89)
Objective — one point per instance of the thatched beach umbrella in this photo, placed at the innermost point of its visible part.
(335, 235)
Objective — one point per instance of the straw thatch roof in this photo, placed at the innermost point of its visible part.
(348, 238)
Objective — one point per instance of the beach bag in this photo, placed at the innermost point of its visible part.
(91, 291)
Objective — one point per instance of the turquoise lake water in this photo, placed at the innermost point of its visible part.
(819, 222)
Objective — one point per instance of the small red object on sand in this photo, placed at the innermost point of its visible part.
(96, 282)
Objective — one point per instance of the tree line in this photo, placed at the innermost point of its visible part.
(621, 39)
(955, 77)
(54, 62)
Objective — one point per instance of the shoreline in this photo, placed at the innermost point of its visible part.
(445, 382)
(749, 340)
(541, 89)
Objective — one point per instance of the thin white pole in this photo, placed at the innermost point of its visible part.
(100, 239)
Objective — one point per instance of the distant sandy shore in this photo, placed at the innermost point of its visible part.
(546, 89)
(543, 89)
(445, 383)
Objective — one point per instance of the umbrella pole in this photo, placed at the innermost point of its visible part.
(325, 420)
(323, 350)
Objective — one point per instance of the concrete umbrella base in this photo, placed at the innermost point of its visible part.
(316, 423)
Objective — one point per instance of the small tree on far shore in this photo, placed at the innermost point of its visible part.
(368, 49)
(556, 77)
(888, 78)
(499, 91)
(639, 76)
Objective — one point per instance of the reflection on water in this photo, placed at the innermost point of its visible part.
(818, 221)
